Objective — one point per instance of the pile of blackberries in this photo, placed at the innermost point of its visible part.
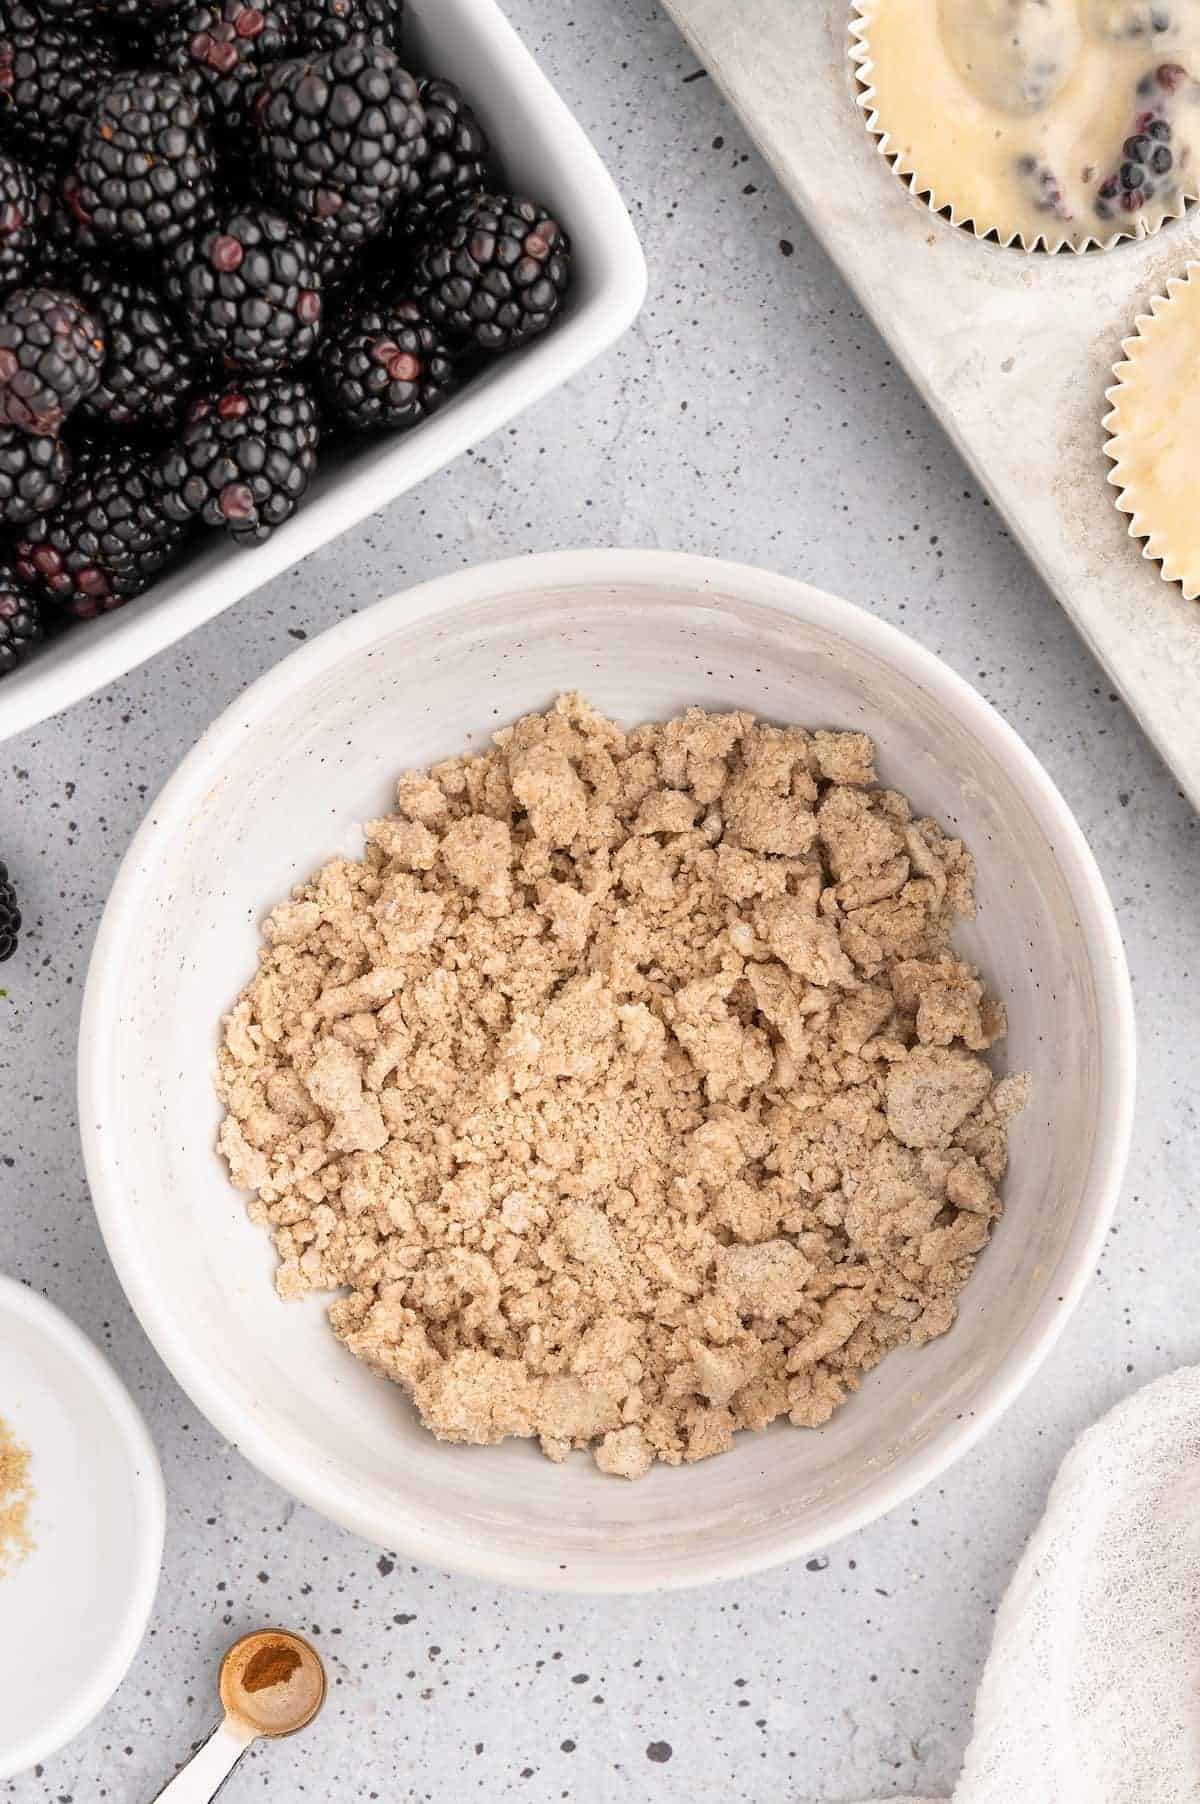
(229, 233)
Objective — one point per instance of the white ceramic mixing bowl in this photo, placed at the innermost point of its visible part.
(280, 783)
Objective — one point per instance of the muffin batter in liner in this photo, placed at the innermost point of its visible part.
(1154, 428)
(1023, 143)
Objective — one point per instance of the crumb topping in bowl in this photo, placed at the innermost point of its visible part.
(629, 1087)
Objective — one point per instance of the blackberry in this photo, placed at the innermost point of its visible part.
(20, 630)
(245, 457)
(459, 154)
(386, 366)
(51, 356)
(1044, 187)
(10, 914)
(328, 24)
(67, 243)
(126, 12)
(219, 48)
(145, 162)
(149, 368)
(1171, 77)
(496, 273)
(33, 475)
(19, 221)
(131, 12)
(1134, 21)
(1146, 159)
(107, 541)
(337, 265)
(49, 79)
(341, 135)
(249, 290)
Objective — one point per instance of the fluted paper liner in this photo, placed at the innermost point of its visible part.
(1154, 431)
(947, 205)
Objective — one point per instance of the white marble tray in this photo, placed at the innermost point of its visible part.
(1012, 352)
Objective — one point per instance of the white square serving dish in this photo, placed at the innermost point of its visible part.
(545, 151)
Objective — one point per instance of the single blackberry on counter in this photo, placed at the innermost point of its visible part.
(107, 541)
(249, 290)
(149, 367)
(458, 159)
(328, 24)
(20, 630)
(49, 79)
(245, 457)
(342, 139)
(33, 475)
(219, 49)
(51, 356)
(145, 164)
(385, 367)
(10, 914)
(495, 273)
(19, 221)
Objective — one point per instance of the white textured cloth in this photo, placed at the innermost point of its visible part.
(1091, 1693)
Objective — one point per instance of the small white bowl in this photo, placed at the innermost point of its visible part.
(74, 1610)
(545, 153)
(282, 781)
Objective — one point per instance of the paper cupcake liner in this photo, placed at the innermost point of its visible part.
(945, 206)
(1157, 386)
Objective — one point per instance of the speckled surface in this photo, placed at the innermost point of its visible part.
(751, 414)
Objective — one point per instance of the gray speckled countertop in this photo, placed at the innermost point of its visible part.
(751, 414)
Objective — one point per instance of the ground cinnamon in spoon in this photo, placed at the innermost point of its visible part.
(271, 1665)
(16, 1495)
(272, 1683)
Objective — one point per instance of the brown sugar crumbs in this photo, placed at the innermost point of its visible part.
(629, 1088)
(16, 1498)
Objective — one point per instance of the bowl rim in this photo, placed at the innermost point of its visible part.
(73, 1716)
(412, 1532)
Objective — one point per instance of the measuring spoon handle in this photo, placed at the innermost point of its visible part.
(206, 1772)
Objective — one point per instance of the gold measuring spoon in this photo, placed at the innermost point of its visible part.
(272, 1683)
